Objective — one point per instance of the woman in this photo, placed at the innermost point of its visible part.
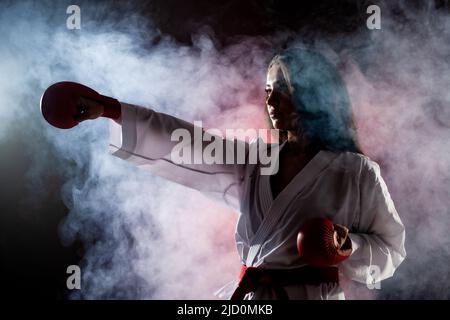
(322, 174)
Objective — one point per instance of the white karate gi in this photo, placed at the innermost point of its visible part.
(345, 187)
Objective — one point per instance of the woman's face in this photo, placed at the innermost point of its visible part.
(279, 105)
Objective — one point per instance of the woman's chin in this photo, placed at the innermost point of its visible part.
(278, 124)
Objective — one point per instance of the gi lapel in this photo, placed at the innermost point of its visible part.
(279, 205)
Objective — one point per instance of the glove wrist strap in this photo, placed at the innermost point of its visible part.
(112, 108)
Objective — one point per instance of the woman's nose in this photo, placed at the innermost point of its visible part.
(272, 99)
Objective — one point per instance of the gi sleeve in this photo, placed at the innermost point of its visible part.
(144, 138)
(379, 241)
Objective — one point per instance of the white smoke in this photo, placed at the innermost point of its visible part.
(402, 103)
(148, 238)
(144, 237)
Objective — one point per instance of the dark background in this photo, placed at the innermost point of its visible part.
(33, 260)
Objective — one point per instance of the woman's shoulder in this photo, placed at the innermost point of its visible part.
(356, 162)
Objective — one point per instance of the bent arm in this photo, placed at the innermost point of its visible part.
(145, 137)
(379, 243)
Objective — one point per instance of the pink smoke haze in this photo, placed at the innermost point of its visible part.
(145, 237)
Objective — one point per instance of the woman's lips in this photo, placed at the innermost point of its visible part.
(274, 115)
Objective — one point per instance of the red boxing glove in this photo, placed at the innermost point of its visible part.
(61, 104)
(321, 243)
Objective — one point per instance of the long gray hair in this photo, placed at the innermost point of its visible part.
(320, 99)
